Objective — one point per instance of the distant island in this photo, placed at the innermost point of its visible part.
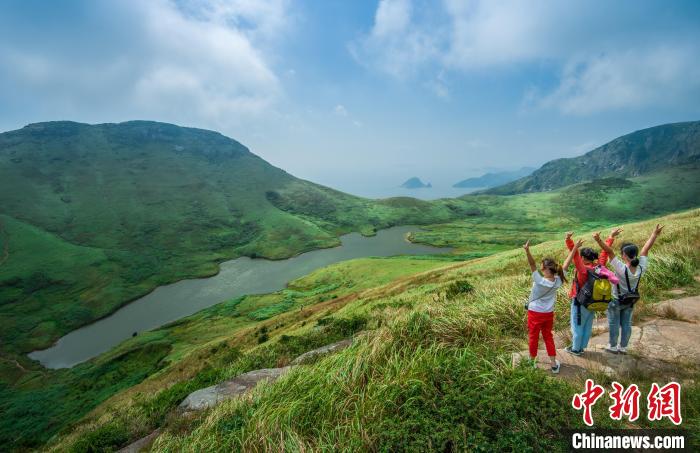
(494, 179)
(415, 183)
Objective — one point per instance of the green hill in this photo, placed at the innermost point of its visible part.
(634, 154)
(429, 370)
(97, 232)
(93, 216)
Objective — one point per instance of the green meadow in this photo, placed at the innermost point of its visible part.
(503, 221)
(92, 217)
(194, 352)
(429, 368)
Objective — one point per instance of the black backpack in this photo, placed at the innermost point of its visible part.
(632, 295)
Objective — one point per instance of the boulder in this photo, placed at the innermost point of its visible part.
(211, 396)
(141, 444)
(310, 356)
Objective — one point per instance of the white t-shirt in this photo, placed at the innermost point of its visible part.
(543, 293)
(619, 268)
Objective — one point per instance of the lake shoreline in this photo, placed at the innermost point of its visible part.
(43, 356)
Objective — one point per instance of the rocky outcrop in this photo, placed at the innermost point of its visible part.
(211, 396)
(665, 345)
(141, 444)
(311, 356)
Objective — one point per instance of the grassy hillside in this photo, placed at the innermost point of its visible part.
(634, 154)
(430, 369)
(106, 213)
(502, 220)
(194, 352)
(42, 402)
(93, 216)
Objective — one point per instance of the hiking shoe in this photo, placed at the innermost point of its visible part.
(573, 351)
(622, 349)
(555, 367)
(612, 349)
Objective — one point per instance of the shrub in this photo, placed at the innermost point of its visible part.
(457, 288)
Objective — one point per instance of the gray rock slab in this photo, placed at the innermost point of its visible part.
(211, 396)
(316, 353)
(141, 443)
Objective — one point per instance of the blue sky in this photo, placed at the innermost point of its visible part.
(361, 95)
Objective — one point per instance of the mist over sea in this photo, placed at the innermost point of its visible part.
(429, 193)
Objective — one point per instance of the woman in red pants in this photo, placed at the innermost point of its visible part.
(540, 306)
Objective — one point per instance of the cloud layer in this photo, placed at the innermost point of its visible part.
(197, 62)
(609, 57)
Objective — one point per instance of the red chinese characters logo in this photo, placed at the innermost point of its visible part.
(662, 402)
(587, 399)
(626, 402)
(665, 402)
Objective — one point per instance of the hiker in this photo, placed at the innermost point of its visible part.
(589, 266)
(540, 305)
(626, 292)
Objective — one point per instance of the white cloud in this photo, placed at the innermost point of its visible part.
(193, 62)
(340, 110)
(490, 33)
(438, 85)
(623, 80)
(392, 17)
(395, 44)
(639, 66)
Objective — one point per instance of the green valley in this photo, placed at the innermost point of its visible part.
(430, 365)
(95, 216)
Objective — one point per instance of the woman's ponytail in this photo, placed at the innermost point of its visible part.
(560, 273)
(555, 268)
(631, 251)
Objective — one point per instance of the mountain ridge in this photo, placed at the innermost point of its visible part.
(153, 203)
(633, 154)
(492, 179)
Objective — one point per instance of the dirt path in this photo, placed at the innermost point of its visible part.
(665, 346)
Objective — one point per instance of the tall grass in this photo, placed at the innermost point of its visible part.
(432, 372)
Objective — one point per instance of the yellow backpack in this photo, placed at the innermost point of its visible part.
(595, 294)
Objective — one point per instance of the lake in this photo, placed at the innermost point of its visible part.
(236, 278)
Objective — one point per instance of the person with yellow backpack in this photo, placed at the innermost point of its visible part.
(629, 269)
(591, 292)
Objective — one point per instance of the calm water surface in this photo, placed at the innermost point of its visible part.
(237, 277)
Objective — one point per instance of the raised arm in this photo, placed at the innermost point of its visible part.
(530, 259)
(650, 242)
(603, 258)
(578, 262)
(608, 250)
(572, 252)
(569, 242)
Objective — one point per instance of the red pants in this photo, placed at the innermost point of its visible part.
(537, 322)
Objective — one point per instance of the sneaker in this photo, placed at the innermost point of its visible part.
(573, 352)
(612, 349)
(622, 349)
(555, 367)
